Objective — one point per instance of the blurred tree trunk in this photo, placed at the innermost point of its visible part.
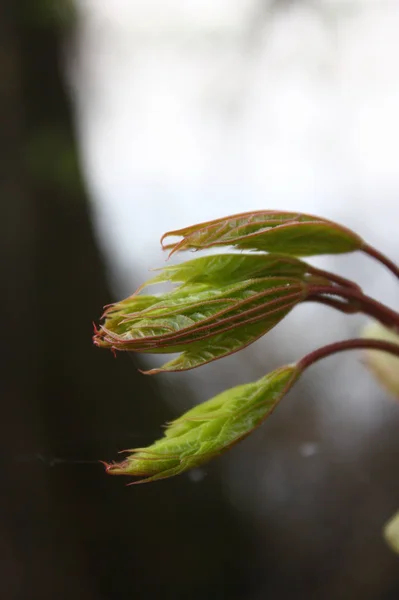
(67, 530)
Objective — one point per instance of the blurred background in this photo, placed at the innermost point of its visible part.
(121, 120)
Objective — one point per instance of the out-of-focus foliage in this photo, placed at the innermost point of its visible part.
(391, 532)
(49, 13)
(384, 366)
(52, 159)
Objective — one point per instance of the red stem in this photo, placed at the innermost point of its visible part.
(355, 344)
(342, 281)
(364, 303)
(387, 262)
(340, 305)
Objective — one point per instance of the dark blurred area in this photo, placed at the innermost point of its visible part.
(67, 530)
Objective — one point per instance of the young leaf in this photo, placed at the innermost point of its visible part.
(209, 429)
(271, 231)
(224, 269)
(218, 346)
(203, 323)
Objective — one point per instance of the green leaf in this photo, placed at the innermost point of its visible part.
(218, 346)
(203, 324)
(391, 532)
(115, 313)
(271, 231)
(209, 429)
(227, 269)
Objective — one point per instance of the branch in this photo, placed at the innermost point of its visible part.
(362, 302)
(355, 344)
(384, 260)
(342, 306)
(342, 281)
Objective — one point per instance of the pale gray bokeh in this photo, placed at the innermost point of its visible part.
(187, 111)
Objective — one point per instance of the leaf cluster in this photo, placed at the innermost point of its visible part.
(222, 303)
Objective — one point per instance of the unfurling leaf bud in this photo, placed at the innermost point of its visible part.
(224, 303)
(289, 233)
(209, 429)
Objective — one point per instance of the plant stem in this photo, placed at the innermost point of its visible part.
(355, 344)
(364, 304)
(342, 306)
(342, 281)
(387, 262)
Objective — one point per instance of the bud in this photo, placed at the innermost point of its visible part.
(223, 304)
(269, 231)
(209, 429)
